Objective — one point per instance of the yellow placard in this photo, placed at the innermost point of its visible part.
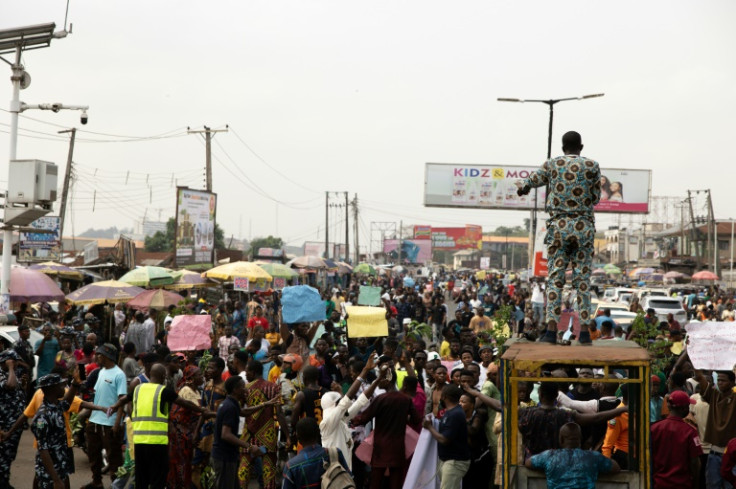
(364, 321)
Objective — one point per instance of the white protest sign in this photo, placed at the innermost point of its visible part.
(712, 346)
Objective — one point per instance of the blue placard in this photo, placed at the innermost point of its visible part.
(302, 304)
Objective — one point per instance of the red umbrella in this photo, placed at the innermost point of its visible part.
(705, 275)
(156, 298)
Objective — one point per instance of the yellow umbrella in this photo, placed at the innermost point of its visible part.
(237, 269)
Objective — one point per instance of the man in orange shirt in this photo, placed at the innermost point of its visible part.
(616, 442)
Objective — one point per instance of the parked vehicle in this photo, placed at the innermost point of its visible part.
(666, 305)
(9, 335)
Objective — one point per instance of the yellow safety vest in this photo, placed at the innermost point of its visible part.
(150, 427)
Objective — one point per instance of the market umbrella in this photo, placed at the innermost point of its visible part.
(277, 270)
(155, 298)
(245, 269)
(111, 291)
(599, 271)
(365, 269)
(149, 277)
(187, 279)
(32, 286)
(313, 262)
(343, 268)
(675, 274)
(612, 269)
(57, 269)
(705, 275)
(398, 270)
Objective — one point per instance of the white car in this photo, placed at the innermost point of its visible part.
(665, 305)
(9, 335)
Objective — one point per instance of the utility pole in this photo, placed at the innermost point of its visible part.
(327, 224)
(207, 134)
(355, 230)
(347, 227)
(401, 238)
(67, 177)
(712, 222)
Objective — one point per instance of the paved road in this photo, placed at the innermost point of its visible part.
(21, 473)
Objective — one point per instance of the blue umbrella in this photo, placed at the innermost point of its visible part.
(408, 282)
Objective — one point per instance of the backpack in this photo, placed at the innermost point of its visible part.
(336, 476)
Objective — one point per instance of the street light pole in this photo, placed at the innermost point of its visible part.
(551, 103)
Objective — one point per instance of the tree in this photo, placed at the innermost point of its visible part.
(165, 241)
(509, 231)
(269, 242)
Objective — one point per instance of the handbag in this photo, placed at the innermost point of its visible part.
(365, 451)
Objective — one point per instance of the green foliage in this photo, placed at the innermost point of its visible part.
(165, 241)
(419, 330)
(500, 331)
(268, 242)
(509, 231)
(205, 360)
(645, 335)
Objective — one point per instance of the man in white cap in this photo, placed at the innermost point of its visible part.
(338, 410)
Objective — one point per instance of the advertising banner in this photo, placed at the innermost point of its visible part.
(539, 260)
(422, 232)
(91, 252)
(241, 283)
(42, 246)
(469, 237)
(314, 248)
(493, 187)
(412, 250)
(195, 226)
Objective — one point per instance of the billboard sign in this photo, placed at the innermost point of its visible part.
(195, 226)
(91, 252)
(493, 187)
(41, 246)
(412, 250)
(469, 237)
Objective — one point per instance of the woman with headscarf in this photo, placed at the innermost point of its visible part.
(183, 425)
(338, 410)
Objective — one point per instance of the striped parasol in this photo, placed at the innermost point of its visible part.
(111, 291)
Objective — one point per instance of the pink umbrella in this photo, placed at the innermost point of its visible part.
(156, 298)
(32, 286)
(705, 275)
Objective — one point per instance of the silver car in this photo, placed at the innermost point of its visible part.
(665, 305)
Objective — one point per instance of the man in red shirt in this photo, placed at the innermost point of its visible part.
(676, 447)
(257, 320)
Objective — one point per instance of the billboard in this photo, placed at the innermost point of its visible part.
(195, 226)
(317, 248)
(539, 259)
(493, 187)
(469, 237)
(412, 250)
(42, 246)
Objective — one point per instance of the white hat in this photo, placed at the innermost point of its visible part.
(432, 355)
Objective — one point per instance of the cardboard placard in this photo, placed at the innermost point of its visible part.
(369, 296)
(712, 346)
(364, 321)
(302, 304)
(190, 333)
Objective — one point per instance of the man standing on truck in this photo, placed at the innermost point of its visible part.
(574, 184)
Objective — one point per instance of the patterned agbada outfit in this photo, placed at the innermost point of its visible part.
(260, 430)
(574, 188)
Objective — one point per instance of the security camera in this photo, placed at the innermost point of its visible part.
(84, 118)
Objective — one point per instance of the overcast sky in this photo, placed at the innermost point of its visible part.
(357, 96)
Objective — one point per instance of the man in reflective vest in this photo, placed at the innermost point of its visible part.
(150, 418)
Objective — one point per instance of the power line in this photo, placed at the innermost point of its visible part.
(268, 165)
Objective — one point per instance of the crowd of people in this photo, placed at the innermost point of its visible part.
(296, 405)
